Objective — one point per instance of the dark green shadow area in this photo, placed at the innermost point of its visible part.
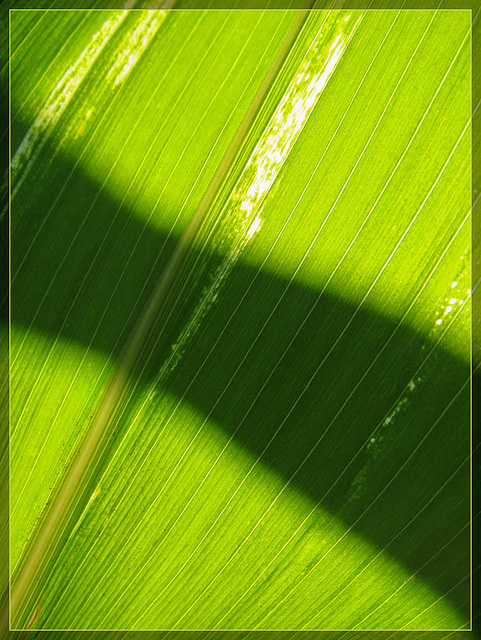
(348, 483)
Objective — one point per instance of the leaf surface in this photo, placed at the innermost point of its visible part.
(292, 449)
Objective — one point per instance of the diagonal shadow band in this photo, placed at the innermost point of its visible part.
(347, 471)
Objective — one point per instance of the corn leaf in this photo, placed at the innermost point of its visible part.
(290, 447)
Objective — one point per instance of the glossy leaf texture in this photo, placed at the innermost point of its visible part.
(292, 449)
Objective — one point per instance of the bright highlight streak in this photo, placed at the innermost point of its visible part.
(135, 44)
(291, 115)
(58, 100)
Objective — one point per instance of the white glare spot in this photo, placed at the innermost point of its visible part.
(453, 300)
(255, 226)
(455, 284)
(448, 309)
(439, 321)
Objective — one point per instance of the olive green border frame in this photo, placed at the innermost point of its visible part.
(475, 7)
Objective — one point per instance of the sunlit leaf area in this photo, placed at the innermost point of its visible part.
(290, 449)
